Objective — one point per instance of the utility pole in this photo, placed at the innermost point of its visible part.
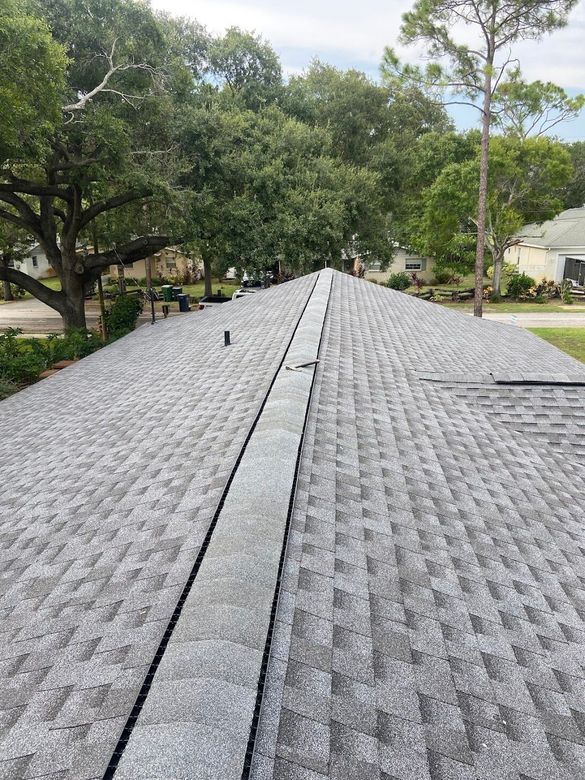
(103, 326)
(149, 288)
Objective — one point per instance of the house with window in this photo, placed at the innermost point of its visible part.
(169, 262)
(35, 263)
(403, 260)
(554, 249)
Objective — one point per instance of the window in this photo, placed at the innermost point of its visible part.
(35, 261)
(415, 264)
(171, 266)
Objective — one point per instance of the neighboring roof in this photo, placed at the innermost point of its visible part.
(565, 230)
(219, 562)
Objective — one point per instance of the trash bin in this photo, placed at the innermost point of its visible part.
(176, 292)
(183, 302)
(167, 291)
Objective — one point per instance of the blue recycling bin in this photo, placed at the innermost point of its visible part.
(183, 299)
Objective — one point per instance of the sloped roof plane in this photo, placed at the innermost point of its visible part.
(565, 230)
(349, 545)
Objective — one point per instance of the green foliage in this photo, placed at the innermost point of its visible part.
(399, 281)
(248, 66)
(17, 292)
(508, 271)
(444, 275)
(22, 360)
(18, 365)
(519, 285)
(524, 109)
(32, 81)
(266, 186)
(524, 180)
(573, 194)
(122, 316)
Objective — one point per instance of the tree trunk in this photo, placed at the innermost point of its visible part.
(207, 275)
(7, 289)
(483, 191)
(73, 283)
(497, 278)
(74, 313)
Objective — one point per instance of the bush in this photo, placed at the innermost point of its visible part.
(508, 271)
(443, 275)
(18, 364)
(122, 316)
(519, 285)
(399, 281)
(17, 292)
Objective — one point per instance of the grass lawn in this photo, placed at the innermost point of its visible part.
(514, 308)
(569, 340)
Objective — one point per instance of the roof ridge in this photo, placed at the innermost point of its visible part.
(221, 634)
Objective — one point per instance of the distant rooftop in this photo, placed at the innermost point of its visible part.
(565, 230)
(237, 562)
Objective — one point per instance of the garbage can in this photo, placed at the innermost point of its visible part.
(177, 291)
(183, 299)
(167, 291)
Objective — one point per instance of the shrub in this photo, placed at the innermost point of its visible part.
(417, 282)
(17, 292)
(122, 315)
(508, 271)
(399, 281)
(18, 364)
(519, 285)
(443, 275)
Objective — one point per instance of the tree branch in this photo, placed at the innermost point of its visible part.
(129, 253)
(112, 203)
(102, 86)
(30, 188)
(52, 298)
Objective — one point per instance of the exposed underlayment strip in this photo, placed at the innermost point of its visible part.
(509, 378)
(196, 720)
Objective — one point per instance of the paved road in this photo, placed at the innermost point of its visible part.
(38, 319)
(540, 320)
(35, 318)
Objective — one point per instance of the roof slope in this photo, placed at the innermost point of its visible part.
(430, 619)
(565, 230)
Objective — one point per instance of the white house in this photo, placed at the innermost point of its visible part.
(35, 263)
(553, 250)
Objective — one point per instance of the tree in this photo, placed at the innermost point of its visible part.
(347, 103)
(266, 187)
(574, 193)
(477, 67)
(526, 109)
(32, 78)
(524, 179)
(248, 67)
(422, 163)
(112, 147)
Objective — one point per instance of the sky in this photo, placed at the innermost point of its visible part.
(353, 34)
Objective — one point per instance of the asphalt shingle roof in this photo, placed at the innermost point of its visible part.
(565, 230)
(430, 622)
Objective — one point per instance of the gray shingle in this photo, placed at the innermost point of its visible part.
(431, 623)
